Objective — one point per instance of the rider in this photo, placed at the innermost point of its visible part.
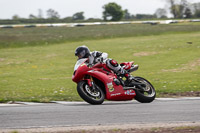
(96, 56)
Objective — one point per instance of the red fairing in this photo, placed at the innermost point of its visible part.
(80, 73)
(106, 76)
(117, 93)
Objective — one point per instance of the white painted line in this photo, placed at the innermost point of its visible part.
(28, 103)
(180, 98)
(4, 104)
(166, 99)
(67, 102)
(190, 98)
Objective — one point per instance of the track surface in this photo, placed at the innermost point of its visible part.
(62, 114)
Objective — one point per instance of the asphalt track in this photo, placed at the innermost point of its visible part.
(72, 114)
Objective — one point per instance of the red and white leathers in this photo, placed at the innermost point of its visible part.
(113, 65)
(97, 56)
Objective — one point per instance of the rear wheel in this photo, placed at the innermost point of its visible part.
(147, 94)
(92, 95)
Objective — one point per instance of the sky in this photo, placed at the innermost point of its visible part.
(66, 8)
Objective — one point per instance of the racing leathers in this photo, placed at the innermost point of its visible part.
(97, 56)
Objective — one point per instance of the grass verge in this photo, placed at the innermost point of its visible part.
(42, 73)
(21, 37)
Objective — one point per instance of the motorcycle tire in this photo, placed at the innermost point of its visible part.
(89, 96)
(145, 96)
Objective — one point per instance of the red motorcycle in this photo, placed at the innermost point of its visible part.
(96, 83)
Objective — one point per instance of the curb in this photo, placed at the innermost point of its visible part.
(108, 102)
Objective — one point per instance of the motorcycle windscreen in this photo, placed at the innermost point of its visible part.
(78, 63)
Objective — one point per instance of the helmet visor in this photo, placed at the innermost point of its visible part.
(81, 54)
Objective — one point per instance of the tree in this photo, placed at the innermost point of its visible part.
(144, 16)
(127, 15)
(196, 9)
(52, 14)
(184, 9)
(179, 10)
(78, 16)
(173, 8)
(112, 11)
(197, 14)
(161, 13)
(68, 19)
(31, 16)
(15, 17)
(188, 13)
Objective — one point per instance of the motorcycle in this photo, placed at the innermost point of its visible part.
(97, 83)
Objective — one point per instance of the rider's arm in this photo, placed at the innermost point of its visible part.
(97, 56)
(105, 56)
(91, 59)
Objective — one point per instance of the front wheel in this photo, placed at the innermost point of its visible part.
(92, 95)
(147, 94)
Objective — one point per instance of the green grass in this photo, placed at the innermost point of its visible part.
(20, 37)
(43, 73)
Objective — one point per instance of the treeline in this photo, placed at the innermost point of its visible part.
(52, 17)
(67, 20)
(179, 9)
(43, 21)
(184, 9)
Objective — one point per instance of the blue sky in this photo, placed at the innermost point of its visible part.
(91, 8)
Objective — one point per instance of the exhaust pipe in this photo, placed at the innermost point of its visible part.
(133, 68)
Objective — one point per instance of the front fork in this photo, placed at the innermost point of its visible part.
(90, 82)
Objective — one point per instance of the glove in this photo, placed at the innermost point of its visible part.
(99, 59)
(90, 65)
